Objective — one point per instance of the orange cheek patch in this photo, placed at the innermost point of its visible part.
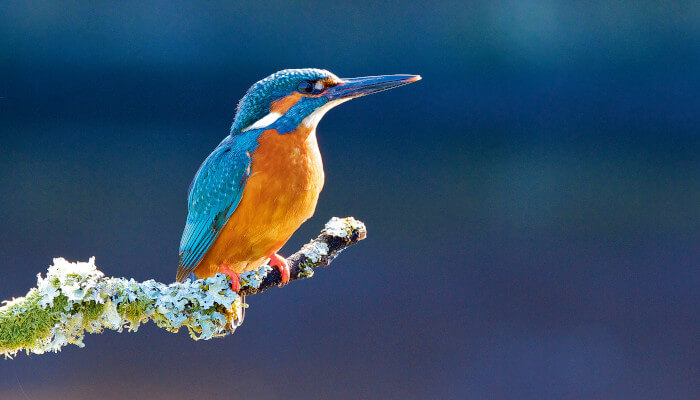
(284, 104)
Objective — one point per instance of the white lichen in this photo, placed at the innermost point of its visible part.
(76, 297)
(342, 227)
(315, 250)
(254, 278)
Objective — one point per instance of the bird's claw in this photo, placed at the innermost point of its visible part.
(235, 282)
(279, 262)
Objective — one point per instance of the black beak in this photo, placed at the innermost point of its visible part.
(356, 87)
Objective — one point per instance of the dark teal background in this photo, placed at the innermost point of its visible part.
(533, 204)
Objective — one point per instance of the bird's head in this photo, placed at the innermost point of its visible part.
(289, 98)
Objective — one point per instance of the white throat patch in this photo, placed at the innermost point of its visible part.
(312, 120)
(264, 122)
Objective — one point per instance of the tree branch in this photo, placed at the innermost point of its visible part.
(336, 236)
(76, 297)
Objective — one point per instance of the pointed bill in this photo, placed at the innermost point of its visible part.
(356, 87)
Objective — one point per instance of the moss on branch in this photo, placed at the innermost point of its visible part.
(75, 298)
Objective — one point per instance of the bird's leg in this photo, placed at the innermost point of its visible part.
(279, 262)
(235, 282)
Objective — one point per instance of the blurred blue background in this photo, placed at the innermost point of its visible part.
(533, 204)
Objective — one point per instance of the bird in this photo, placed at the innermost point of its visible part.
(263, 180)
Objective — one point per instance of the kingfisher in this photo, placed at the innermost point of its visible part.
(263, 180)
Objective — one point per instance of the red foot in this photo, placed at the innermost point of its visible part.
(279, 262)
(235, 282)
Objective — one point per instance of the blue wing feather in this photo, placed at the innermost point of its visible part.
(214, 195)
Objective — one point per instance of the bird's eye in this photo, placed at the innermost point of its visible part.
(305, 87)
(311, 87)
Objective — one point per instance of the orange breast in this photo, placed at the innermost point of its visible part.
(280, 194)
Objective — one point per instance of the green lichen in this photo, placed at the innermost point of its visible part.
(306, 269)
(76, 297)
(22, 324)
(91, 310)
(134, 313)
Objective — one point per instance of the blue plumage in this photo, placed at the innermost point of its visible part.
(256, 102)
(214, 194)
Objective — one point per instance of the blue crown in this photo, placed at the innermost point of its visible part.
(256, 102)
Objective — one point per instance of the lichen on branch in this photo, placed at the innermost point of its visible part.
(75, 298)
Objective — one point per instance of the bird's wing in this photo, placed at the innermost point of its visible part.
(214, 195)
